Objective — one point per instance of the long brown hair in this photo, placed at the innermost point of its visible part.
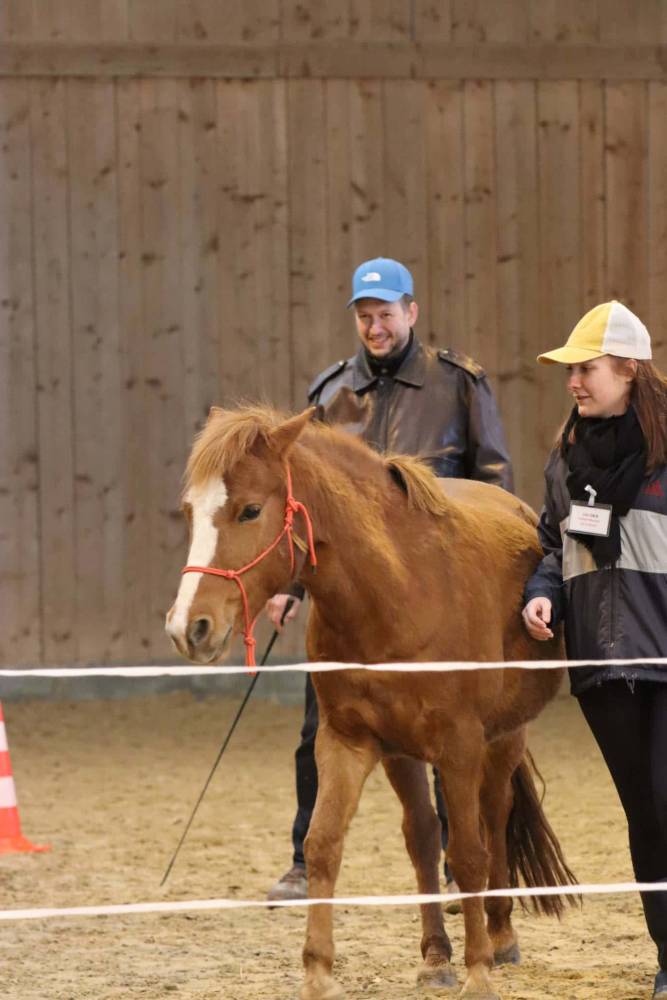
(649, 398)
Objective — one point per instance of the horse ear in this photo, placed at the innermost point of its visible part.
(213, 412)
(284, 436)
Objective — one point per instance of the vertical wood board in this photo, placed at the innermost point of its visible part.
(314, 20)
(517, 275)
(138, 631)
(657, 221)
(200, 246)
(228, 22)
(309, 288)
(234, 355)
(381, 20)
(20, 610)
(17, 21)
(432, 20)
(593, 193)
(631, 21)
(52, 278)
(404, 200)
(166, 445)
(149, 21)
(341, 261)
(560, 232)
(481, 21)
(480, 226)
(367, 154)
(445, 213)
(98, 420)
(570, 22)
(265, 183)
(626, 183)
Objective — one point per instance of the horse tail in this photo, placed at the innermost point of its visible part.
(533, 851)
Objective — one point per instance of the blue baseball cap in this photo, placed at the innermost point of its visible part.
(381, 278)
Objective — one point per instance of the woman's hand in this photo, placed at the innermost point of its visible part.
(536, 617)
(275, 609)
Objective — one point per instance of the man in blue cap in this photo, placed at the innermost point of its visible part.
(399, 395)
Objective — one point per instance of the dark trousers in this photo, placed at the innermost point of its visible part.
(630, 727)
(306, 780)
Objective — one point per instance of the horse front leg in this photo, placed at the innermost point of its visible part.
(502, 758)
(421, 829)
(461, 770)
(342, 770)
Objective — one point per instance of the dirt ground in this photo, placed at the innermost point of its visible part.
(109, 784)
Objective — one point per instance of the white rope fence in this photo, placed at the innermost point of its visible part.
(182, 906)
(322, 667)
(188, 905)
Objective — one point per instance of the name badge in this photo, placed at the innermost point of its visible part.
(589, 519)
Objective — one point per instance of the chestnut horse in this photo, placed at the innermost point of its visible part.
(406, 571)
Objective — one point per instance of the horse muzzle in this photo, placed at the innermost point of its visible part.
(200, 641)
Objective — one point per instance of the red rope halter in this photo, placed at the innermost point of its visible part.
(292, 507)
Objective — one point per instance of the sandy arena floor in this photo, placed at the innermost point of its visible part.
(109, 784)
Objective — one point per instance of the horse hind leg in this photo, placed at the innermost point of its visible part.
(342, 771)
(461, 774)
(496, 797)
(421, 829)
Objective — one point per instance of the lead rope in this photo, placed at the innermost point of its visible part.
(292, 507)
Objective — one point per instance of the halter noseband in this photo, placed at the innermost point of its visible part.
(292, 507)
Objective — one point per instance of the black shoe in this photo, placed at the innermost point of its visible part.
(660, 985)
(292, 885)
(455, 905)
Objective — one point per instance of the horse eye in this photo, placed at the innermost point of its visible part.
(250, 512)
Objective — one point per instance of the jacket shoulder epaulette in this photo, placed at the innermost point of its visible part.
(318, 383)
(462, 361)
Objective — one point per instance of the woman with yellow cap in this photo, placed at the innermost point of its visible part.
(604, 572)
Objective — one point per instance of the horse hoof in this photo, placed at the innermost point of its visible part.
(325, 989)
(508, 956)
(478, 986)
(438, 977)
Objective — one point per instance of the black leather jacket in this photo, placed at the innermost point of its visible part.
(438, 405)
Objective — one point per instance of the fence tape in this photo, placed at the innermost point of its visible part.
(188, 905)
(321, 667)
(182, 906)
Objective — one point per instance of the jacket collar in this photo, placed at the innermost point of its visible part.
(411, 372)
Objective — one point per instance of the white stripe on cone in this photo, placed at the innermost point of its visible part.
(7, 793)
(3, 738)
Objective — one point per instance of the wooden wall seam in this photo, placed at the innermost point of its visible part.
(338, 59)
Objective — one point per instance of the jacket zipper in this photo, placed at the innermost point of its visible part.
(612, 605)
(388, 386)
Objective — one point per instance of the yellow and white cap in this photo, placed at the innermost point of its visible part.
(610, 328)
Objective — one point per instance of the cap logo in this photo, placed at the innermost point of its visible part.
(372, 276)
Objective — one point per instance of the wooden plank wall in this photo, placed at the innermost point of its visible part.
(177, 241)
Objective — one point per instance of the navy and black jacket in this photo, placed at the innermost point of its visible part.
(620, 610)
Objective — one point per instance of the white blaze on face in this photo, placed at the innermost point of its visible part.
(205, 502)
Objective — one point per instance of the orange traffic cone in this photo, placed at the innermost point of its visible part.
(11, 838)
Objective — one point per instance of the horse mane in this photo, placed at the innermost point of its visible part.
(226, 437)
(419, 483)
(229, 435)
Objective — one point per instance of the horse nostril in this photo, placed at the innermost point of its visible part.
(198, 630)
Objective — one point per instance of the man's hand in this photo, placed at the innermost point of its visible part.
(536, 617)
(275, 608)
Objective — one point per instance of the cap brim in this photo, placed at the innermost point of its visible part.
(568, 356)
(383, 294)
